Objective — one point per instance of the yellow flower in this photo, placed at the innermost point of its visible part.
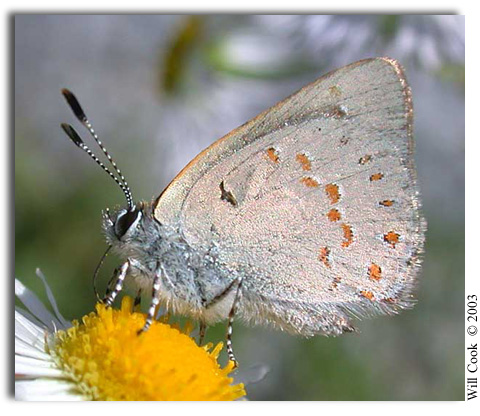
(111, 362)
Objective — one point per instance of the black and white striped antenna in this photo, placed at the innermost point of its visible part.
(73, 135)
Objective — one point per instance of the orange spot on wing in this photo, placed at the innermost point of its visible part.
(332, 192)
(386, 203)
(376, 177)
(367, 294)
(272, 154)
(347, 234)
(323, 255)
(310, 182)
(392, 238)
(374, 272)
(304, 161)
(333, 215)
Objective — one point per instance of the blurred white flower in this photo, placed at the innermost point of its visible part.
(335, 40)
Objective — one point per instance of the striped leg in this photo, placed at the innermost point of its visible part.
(111, 295)
(231, 316)
(110, 284)
(154, 303)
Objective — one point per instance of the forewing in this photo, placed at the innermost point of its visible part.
(313, 202)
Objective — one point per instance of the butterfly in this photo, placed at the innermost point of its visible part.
(301, 219)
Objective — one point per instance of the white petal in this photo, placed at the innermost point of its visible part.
(46, 390)
(28, 331)
(29, 316)
(64, 323)
(35, 306)
(28, 350)
(31, 367)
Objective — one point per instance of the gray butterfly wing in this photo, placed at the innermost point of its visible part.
(314, 203)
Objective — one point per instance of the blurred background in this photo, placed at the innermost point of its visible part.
(159, 89)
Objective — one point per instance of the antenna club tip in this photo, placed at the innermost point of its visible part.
(69, 96)
(72, 134)
(74, 105)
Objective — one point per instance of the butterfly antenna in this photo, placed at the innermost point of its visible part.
(80, 114)
(75, 138)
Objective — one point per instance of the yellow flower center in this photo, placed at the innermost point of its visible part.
(109, 361)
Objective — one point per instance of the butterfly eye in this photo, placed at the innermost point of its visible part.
(125, 221)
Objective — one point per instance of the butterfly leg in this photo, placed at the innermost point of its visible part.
(110, 285)
(231, 316)
(120, 277)
(201, 332)
(155, 301)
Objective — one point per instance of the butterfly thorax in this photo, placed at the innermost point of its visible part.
(189, 278)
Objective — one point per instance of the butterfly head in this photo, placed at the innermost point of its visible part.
(122, 226)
